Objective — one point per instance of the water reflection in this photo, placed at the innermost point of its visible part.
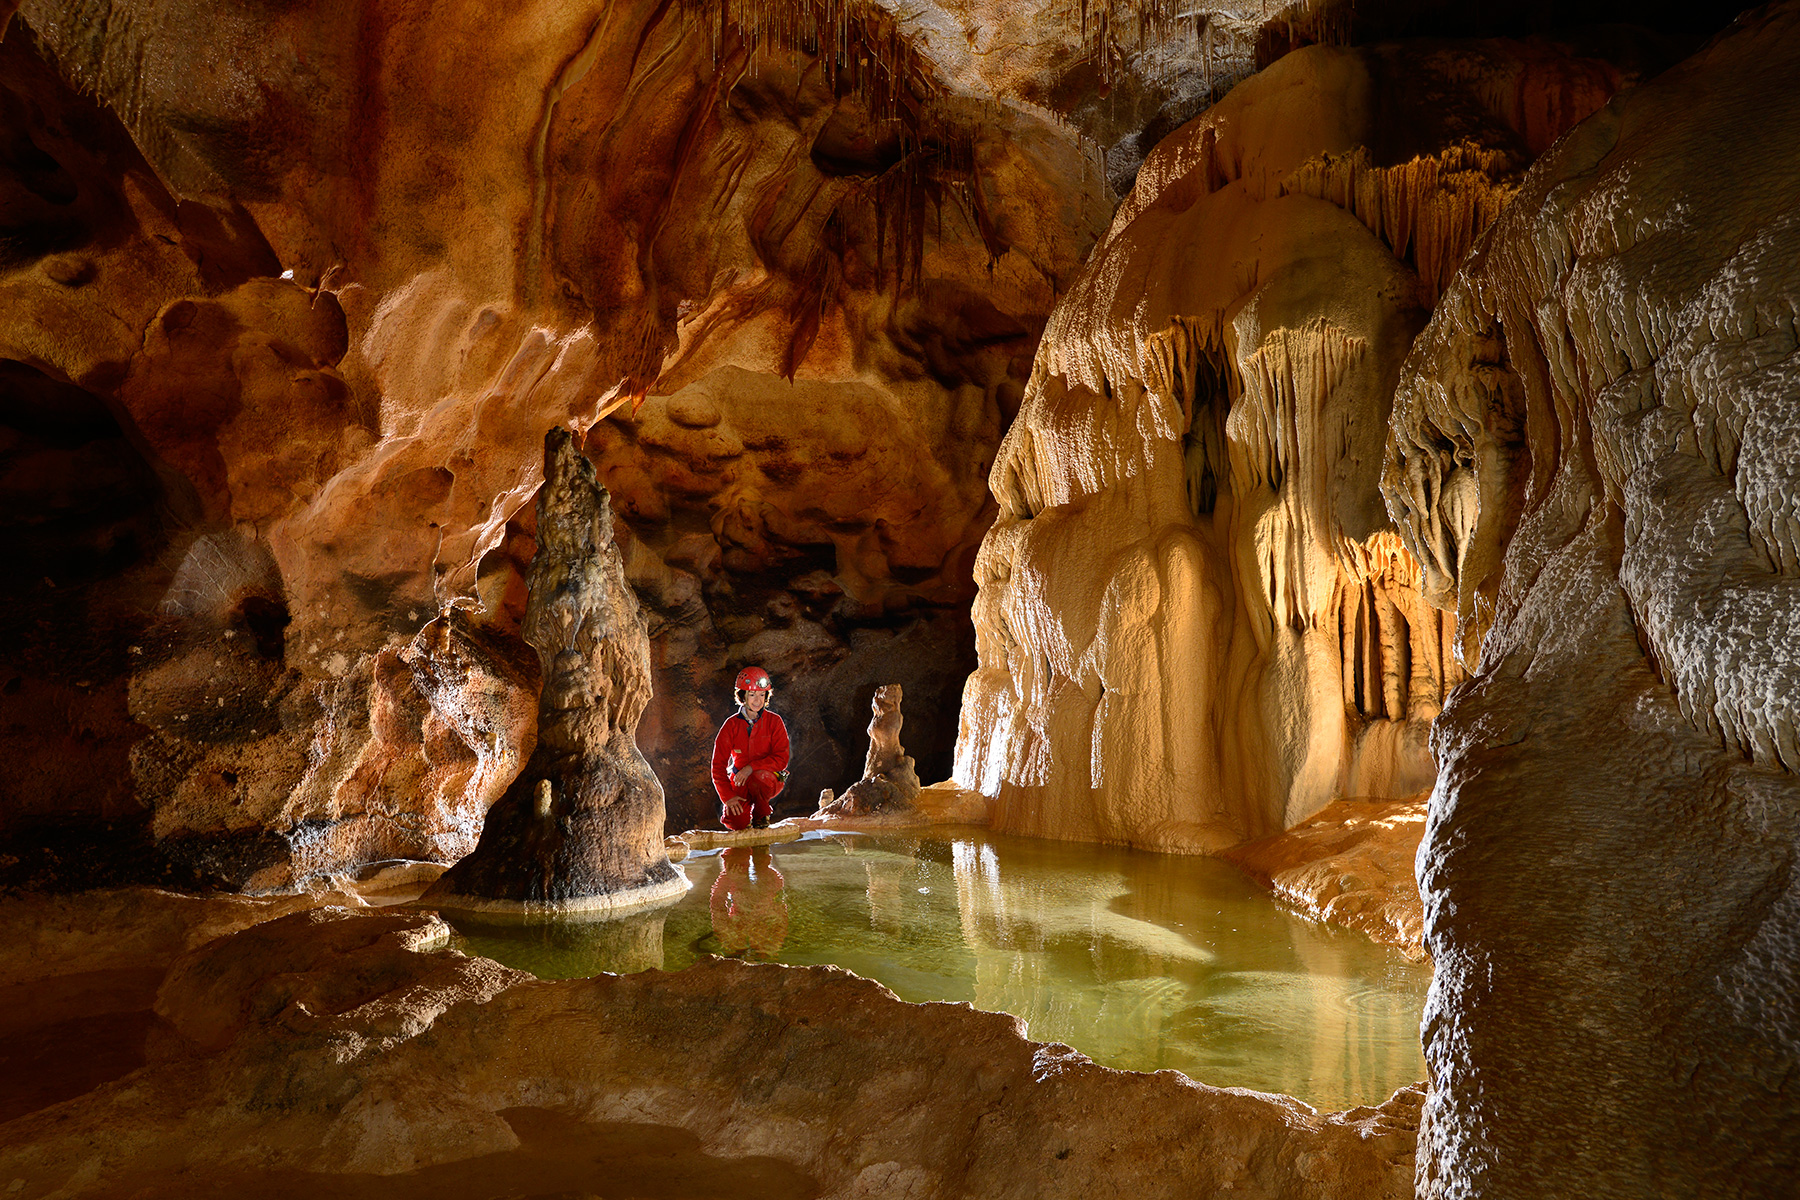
(568, 947)
(749, 912)
(1138, 960)
(1173, 962)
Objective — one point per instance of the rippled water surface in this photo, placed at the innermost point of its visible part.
(1141, 961)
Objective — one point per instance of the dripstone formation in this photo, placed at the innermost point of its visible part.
(1196, 623)
(1593, 454)
(581, 826)
(890, 781)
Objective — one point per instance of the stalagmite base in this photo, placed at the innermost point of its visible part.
(580, 829)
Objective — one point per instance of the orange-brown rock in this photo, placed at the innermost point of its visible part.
(580, 827)
(327, 1045)
(1593, 457)
(824, 261)
(1351, 865)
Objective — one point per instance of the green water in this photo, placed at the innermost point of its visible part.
(1140, 961)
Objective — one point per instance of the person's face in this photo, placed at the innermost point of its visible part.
(754, 699)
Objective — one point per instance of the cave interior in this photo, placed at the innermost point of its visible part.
(1358, 441)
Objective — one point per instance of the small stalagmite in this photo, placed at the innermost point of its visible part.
(580, 829)
(889, 781)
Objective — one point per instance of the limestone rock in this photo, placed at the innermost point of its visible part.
(581, 826)
(1351, 865)
(400, 759)
(889, 783)
(1594, 458)
(126, 929)
(808, 342)
(1196, 624)
(480, 689)
(336, 1044)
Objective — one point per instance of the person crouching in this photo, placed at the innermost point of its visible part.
(750, 755)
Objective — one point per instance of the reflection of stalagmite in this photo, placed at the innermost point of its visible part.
(889, 781)
(581, 826)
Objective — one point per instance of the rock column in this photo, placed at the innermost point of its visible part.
(889, 781)
(1594, 456)
(581, 826)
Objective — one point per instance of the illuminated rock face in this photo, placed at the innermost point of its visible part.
(1196, 624)
(580, 827)
(1594, 457)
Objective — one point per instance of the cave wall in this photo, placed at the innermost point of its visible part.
(1594, 457)
(1196, 622)
(331, 301)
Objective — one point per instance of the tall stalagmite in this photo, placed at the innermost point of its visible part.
(889, 780)
(581, 827)
(1595, 457)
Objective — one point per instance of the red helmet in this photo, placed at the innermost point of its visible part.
(752, 679)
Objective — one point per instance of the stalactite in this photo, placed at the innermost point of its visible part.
(1348, 605)
(1393, 646)
(865, 57)
(1394, 641)
(1262, 430)
(1189, 365)
(1428, 211)
(1291, 373)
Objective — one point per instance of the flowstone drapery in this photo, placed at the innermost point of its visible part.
(1196, 624)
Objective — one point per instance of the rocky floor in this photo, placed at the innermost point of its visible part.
(189, 1046)
(1351, 866)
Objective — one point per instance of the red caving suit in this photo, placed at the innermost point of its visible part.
(762, 748)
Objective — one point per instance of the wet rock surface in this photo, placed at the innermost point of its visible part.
(326, 1048)
(1351, 865)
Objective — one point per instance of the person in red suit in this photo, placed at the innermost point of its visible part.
(750, 755)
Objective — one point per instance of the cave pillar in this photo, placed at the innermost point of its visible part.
(581, 827)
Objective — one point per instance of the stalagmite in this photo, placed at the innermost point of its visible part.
(580, 828)
(889, 781)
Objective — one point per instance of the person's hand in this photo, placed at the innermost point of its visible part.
(740, 777)
(736, 806)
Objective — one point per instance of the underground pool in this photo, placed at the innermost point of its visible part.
(1141, 961)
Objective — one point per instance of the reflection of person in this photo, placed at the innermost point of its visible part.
(749, 912)
(750, 755)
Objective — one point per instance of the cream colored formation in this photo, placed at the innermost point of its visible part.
(1196, 623)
